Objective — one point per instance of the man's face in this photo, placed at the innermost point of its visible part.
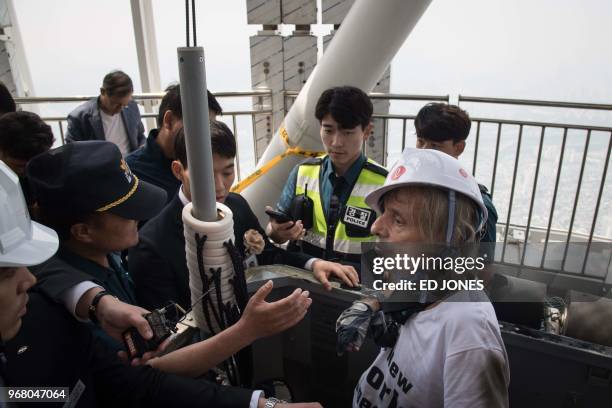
(342, 145)
(182, 174)
(17, 165)
(448, 146)
(393, 225)
(113, 104)
(111, 233)
(224, 173)
(14, 284)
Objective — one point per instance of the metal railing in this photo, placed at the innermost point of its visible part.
(230, 117)
(530, 232)
(516, 147)
(581, 146)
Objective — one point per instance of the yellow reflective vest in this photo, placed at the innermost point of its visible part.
(339, 241)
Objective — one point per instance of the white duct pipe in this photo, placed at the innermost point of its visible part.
(369, 37)
(214, 256)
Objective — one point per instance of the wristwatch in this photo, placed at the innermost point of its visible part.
(271, 402)
(93, 307)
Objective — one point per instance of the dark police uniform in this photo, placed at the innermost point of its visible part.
(54, 350)
(66, 269)
(84, 179)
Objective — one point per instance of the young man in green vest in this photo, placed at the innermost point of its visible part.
(334, 186)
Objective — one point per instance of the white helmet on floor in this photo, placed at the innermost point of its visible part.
(433, 168)
(23, 242)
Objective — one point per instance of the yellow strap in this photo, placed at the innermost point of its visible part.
(289, 151)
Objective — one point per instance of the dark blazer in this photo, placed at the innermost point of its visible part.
(158, 264)
(85, 123)
(53, 350)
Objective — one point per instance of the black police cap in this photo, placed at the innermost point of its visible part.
(91, 177)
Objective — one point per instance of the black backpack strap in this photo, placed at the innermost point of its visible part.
(484, 190)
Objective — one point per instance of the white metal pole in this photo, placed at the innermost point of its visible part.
(369, 37)
(146, 50)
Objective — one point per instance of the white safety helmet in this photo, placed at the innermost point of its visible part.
(431, 168)
(23, 242)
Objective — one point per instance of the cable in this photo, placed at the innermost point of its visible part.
(187, 21)
(193, 20)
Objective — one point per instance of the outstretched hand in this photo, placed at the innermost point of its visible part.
(261, 318)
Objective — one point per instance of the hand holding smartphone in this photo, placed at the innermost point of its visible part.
(278, 216)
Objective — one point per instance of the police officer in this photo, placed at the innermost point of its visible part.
(86, 192)
(327, 194)
(42, 346)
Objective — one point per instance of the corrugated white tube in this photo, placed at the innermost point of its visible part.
(214, 256)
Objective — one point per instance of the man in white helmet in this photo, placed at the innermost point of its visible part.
(22, 243)
(450, 352)
(48, 348)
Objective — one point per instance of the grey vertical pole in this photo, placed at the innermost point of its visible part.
(192, 75)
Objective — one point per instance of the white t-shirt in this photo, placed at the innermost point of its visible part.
(114, 131)
(451, 355)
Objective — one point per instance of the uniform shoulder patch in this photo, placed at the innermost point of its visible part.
(375, 167)
(312, 161)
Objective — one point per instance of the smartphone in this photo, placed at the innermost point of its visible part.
(278, 216)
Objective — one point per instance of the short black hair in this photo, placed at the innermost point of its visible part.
(61, 223)
(222, 141)
(170, 102)
(24, 135)
(441, 121)
(213, 104)
(117, 83)
(349, 106)
(7, 103)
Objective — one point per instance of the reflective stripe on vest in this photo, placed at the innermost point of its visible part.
(308, 181)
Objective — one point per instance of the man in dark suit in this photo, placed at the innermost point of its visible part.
(153, 161)
(112, 116)
(47, 348)
(157, 264)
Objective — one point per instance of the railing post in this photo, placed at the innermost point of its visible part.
(518, 153)
(578, 188)
(554, 201)
(533, 194)
(499, 127)
(601, 188)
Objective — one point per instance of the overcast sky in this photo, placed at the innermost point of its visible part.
(547, 49)
(533, 49)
